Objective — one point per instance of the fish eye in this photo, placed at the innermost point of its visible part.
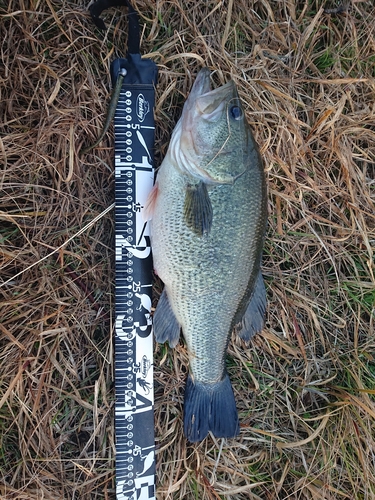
(236, 112)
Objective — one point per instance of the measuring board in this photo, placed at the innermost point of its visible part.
(134, 410)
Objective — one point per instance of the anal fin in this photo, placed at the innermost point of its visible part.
(166, 326)
(198, 208)
(253, 320)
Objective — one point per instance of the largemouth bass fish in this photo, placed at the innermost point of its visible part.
(208, 218)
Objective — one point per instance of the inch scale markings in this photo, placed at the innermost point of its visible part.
(134, 409)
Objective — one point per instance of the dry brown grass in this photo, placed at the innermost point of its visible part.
(306, 386)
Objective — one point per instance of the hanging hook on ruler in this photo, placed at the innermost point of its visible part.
(134, 68)
(132, 103)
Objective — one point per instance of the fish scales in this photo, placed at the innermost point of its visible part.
(208, 222)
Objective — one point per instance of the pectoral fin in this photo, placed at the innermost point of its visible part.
(253, 319)
(198, 208)
(166, 326)
(149, 208)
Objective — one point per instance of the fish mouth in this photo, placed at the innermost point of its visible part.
(210, 102)
(202, 83)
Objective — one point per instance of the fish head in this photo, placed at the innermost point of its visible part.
(213, 132)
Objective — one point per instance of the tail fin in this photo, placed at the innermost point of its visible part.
(210, 407)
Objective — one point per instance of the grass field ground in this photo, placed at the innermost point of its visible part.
(305, 387)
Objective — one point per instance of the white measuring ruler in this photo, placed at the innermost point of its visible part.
(134, 410)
